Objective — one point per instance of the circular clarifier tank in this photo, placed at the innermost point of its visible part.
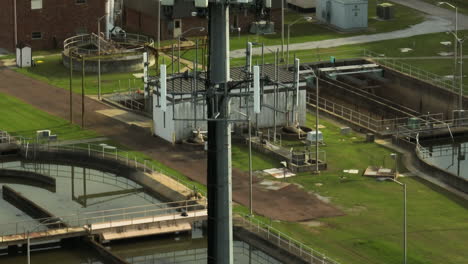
(118, 53)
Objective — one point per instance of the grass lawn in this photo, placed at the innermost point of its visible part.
(53, 72)
(307, 31)
(422, 46)
(371, 232)
(260, 161)
(20, 118)
(461, 4)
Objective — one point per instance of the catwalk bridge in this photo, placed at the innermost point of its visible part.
(109, 224)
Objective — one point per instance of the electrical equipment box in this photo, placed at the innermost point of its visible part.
(312, 137)
(167, 2)
(43, 133)
(347, 15)
(385, 11)
(201, 3)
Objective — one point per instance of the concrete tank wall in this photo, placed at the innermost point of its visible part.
(418, 95)
(130, 63)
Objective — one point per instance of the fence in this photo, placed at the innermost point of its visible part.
(415, 72)
(59, 171)
(382, 126)
(76, 42)
(282, 240)
(429, 127)
(200, 255)
(128, 98)
(114, 154)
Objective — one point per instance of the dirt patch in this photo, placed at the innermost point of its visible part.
(289, 203)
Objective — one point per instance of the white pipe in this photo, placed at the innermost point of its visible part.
(16, 23)
(256, 71)
(107, 18)
(163, 83)
(112, 13)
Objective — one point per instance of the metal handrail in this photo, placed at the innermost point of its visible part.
(385, 125)
(77, 220)
(111, 180)
(292, 245)
(413, 71)
(122, 157)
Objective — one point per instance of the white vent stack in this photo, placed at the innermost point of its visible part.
(256, 77)
(145, 67)
(201, 3)
(163, 84)
(110, 17)
(297, 64)
(145, 72)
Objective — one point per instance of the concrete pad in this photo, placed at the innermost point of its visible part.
(127, 117)
(405, 50)
(273, 185)
(278, 173)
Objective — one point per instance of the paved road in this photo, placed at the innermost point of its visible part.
(438, 20)
(448, 14)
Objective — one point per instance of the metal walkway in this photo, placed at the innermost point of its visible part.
(111, 224)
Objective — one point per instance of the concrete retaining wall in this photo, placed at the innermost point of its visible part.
(30, 178)
(162, 188)
(29, 207)
(444, 176)
(107, 255)
(418, 95)
(266, 246)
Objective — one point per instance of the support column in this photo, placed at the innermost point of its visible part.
(220, 244)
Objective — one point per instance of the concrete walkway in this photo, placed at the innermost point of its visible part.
(438, 20)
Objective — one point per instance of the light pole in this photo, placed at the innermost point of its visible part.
(178, 43)
(460, 98)
(282, 28)
(317, 170)
(395, 156)
(159, 24)
(460, 41)
(289, 34)
(250, 161)
(28, 240)
(456, 36)
(99, 56)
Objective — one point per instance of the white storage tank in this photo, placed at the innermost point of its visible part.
(343, 14)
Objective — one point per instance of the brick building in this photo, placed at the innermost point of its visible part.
(142, 17)
(45, 24)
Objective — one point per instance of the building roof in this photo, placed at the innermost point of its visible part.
(183, 85)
